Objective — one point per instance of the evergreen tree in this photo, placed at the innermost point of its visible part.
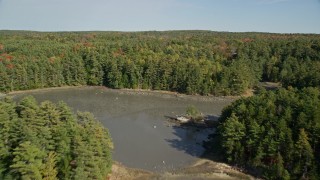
(234, 131)
(50, 171)
(48, 141)
(274, 132)
(304, 156)
(28, 161)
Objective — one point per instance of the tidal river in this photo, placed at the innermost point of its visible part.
(142, 136)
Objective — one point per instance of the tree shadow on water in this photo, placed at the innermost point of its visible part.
(189, 137)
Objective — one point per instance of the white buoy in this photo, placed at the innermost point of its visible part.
(154, 126)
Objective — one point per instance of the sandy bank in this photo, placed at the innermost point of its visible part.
(202, 169)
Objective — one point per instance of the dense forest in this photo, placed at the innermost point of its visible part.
(276, 133)
(192, 62)
(48, 141)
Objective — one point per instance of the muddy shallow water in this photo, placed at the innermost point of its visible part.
(137, 122)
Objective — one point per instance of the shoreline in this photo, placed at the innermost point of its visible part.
(43, 89)
(145, 92)
(200, 169)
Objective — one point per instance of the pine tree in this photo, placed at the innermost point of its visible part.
(304, 155)
(234, 131)
(281, 172)
(4, 139)
(28, 161)
(4, 80)
(94, 69)
(50, 171)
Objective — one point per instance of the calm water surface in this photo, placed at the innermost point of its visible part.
(137, 122)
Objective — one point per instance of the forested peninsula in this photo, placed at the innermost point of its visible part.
(275, 134)
(49, 141)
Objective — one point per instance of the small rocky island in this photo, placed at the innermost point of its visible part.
(193, 117)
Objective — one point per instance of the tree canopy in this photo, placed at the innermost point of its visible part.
(192, 62)
(48, 141)
(277, 132)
